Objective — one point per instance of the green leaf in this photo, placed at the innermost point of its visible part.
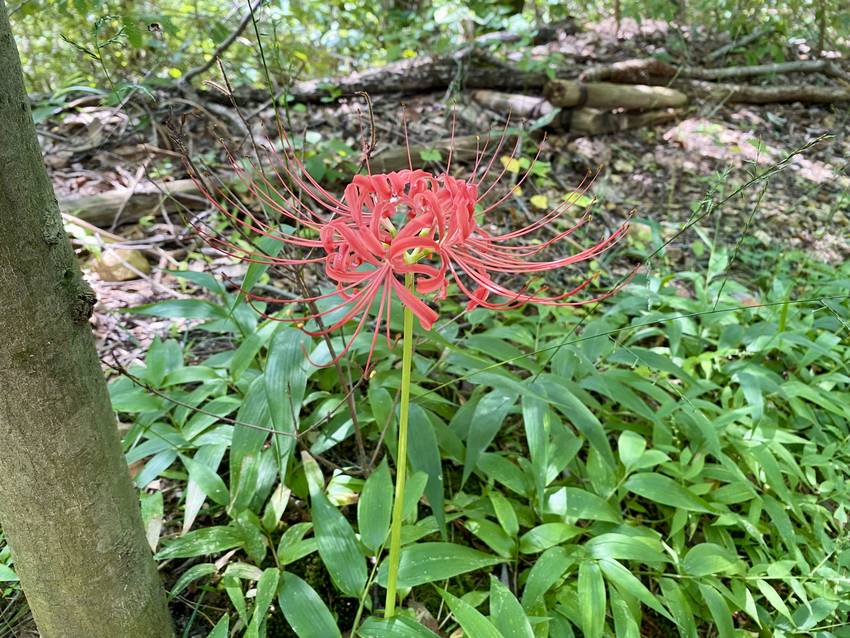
(645, 549)
(430, 562)
(286, 382)
(662, 489)
(7, 575)
(266, 589)
(719, 611)
(507, 614)
(505, 513)
(591, 599)
(398, 627)
(586, 505)
(493, 535)
(536, 419)
(707, 558)
(544, 574)
(249, 441)
(182, 309)
(630, 584)
(206, 478)
(773, 597)
(338, 546)
(470, 619)
(630, 447)
(374, 509)
(209, 540)
(304, 610)
(679, 607)
(547, 535)
(189, 576)
(486, 421)
(222, 628)
(424, 456)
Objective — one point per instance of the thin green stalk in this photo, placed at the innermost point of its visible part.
(401, 459)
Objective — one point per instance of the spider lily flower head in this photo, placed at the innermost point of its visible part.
(405, 234)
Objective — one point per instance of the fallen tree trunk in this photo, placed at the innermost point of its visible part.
(581, 121)
(745, 93)
(470, 68)
(603, 95)
(133, 204)
(652, 70)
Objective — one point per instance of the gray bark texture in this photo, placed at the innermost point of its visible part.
(67, 505)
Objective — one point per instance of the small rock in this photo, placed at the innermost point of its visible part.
(119, 264)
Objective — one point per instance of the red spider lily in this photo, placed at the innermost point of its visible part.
(402, 234)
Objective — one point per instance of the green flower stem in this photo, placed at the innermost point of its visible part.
(401, 459)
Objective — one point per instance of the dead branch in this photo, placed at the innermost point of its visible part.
(744, 93)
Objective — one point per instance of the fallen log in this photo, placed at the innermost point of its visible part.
(745, 93)
(651, 71)
(633, 71)
(603, 95)
(581, 121)
(588, 121)
(133, 204)
(470, 68)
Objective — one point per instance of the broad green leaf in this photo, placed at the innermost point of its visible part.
(547, 535)
(507, 614)
(192, 574)
(182, 309)
(719, 611)
(7, 575)
(586, 505)
(546, 571)
(493, 535)
(505, 513)
(429, 562)
(773, 597)
(266, 590)
(398, 627)
(662, 489)
(708, 558)
(623, 547)
(209, 540)
(285, 382)
(304, 610)
(629, 584)
(207, 479)
(630, 447)
(536, 421)
(248, 440)
(679, 607)
(486, 422)
(222, 628)
(591, 599)
(625, 623)
(374, 509)
(424, 456)
(473, 622)
(337, 543)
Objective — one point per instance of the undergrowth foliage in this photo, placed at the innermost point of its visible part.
(671, 462)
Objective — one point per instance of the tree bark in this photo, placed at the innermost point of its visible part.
(67, 505)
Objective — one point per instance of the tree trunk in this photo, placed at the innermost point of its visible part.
(67, 506)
